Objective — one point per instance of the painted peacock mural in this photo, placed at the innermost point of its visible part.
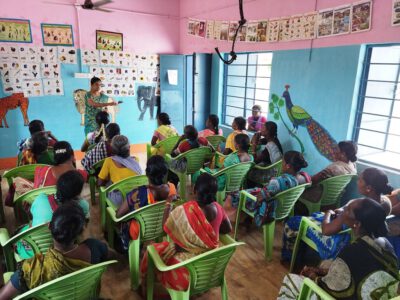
(298, 116)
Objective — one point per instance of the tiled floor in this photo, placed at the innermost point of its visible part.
(248, 275)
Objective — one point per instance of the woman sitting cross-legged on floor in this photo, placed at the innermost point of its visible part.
(193, 228)
(365, 269)
(69, 188)
(66, 256)
(264, 207)
(156, 190)
(372, 183)
(120, 165)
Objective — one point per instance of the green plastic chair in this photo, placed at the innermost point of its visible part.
(38, 237)
(216, 140)
(46, 157)
(195, 160)
(285, 203)
(82, 284)
(332, 191)
(302, 237)
(206, 270)
(276, 167)
(124, 186)
(218, 156)
(165, 146)
(234, 178)
(92, 179)
(309, 288)
(27, 172)
(150, 219)
(22, 217)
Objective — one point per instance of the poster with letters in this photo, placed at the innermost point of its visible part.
(341, 20)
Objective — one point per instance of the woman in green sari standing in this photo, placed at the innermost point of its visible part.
(95, 100)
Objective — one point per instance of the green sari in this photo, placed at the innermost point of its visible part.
(90, 111)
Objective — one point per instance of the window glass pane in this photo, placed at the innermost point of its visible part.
(251, 71)
(263, 83)
(363, 150)
(228, 120)
(262, 95)
(233, 111)
(264, 58)
(234, 91)
(396, 109)
(264, 106)
(395, 128)
(393, 143)
(253, 57)
(250, 94)
(370, 138)
(380, 89)
(374, 122)
(240, 60)
(233, 101)
(386, 54)
(383, 72)
(237, 70)
(264, 71)
(236, 81)
(251, 82)
(377, 106)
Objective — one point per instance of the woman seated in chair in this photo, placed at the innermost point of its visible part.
(372, 183)
(92, 138)
(66, 256)
(292, 176)
(344, 164)
(69, 189)
(211, 127)
(164, 130)
(188, 141)
(242, 143)
(64, 160)
(238, 126)
(120, 165)
(38, 153)
(269, 153)
(363, 268)
(102, 149)
(193, 228)
(156, 190)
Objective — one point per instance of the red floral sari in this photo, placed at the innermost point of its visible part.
(188, 229)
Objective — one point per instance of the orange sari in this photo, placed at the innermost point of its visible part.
(188, 229)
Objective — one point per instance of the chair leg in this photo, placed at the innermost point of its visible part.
(296, 247)
(92, 185)
(269, 232)
(224, 290)
(134, 258)
(150, 278)
(103, 211)
(239, 209)
(110, 225)
(179, 295)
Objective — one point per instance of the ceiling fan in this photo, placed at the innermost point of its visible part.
(88, 4)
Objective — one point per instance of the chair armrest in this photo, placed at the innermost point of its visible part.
(202, 171)
(226, 239)
(308, 284)
(246, 194)
(4, 236)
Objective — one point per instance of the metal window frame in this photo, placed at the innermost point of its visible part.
(362, 96)
(246, 76)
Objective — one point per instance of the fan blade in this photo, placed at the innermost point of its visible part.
(102, 9)
(58, 3)
(101, 3)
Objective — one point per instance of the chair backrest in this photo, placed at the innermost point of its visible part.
(235, 175)
(167, 145)
(333, 188)
(27, 172)
(29, 197)
(125, 186)
(287, 199)
(195, 158)
(150, 218)
(38, 237)
(207, 270)
(82, 284)
(97, 166)
(215, 140)
(273, 170)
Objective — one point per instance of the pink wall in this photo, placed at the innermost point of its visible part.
(143, 33)
(381, 32)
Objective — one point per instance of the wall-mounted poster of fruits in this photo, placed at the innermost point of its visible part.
(15, 30)
(57, 35)
(106, 40)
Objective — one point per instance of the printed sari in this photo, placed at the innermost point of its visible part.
(90, 111)
(191, 234)
(47, 267)
(363, 270)
(165, 131)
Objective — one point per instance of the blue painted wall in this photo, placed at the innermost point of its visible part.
(61, 117)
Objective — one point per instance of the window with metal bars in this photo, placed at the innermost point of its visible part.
(377, 128)
(246, 83)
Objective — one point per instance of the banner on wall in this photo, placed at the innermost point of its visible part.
(351, 18)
